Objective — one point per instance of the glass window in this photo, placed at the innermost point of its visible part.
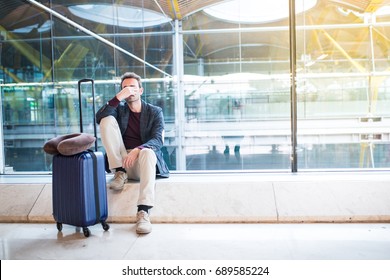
(220, 72)
(44, 56)
(236, 88)
(341, 85)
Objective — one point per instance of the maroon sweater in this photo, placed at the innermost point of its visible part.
(132, 136)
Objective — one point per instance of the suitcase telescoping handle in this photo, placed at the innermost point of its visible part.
(93, 108)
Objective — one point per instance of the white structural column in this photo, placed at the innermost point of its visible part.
(180, 121)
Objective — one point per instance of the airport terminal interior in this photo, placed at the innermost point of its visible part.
(276, 120)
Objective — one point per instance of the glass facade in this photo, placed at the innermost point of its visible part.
(224, 84)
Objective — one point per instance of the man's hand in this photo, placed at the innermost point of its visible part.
(125, 93)
(131, 158)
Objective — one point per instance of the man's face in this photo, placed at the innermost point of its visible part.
(133, 86)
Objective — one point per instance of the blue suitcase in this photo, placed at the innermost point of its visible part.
(79, 185)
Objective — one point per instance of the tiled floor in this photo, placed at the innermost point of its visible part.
(198, 242)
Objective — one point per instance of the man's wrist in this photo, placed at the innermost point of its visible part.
(114, 102)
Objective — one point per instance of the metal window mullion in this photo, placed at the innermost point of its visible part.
(2, 151)
(293, 93)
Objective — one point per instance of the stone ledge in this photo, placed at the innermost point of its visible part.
(228, 198)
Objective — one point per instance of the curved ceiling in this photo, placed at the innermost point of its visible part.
(18, 15)
(177, 9)
(12, 13)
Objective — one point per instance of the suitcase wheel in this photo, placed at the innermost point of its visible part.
(105, 226)
(86, 232)
(59, 226)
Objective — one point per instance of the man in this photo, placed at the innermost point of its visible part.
(132, 133)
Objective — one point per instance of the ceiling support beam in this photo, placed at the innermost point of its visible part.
(174, 7)
(373, 6)
(350, 59)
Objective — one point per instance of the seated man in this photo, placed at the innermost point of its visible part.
(132, 134)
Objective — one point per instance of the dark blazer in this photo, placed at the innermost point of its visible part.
(151, 125)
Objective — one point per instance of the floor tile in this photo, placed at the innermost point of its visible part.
(198, 242)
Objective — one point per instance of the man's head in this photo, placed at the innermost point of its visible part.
(132, 81)
(131, 75)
